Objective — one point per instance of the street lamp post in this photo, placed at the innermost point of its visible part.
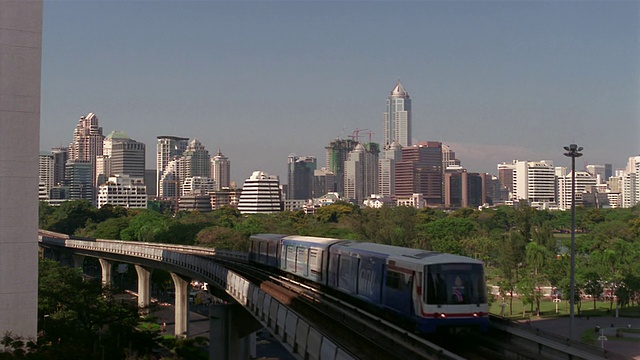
(573, 151)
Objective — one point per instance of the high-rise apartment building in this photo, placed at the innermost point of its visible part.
(337, 152)
(397, 119)
(260, 194)
(195, 161)
(420, 172)
(45, 174)
(167, 148)
(221, 170)
(87, 143)
(391, 154)
(300, 171)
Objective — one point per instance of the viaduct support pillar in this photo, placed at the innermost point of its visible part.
(78, 261)
(181, 305)
(144, 289)
(231, 332)
(106, 271)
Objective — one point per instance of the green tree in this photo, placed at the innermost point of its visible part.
(593, 286)
(80, 318)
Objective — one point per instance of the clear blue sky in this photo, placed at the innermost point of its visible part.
(496, 81)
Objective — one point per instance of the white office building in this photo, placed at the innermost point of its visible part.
(122, 190)
(198, 185)
(260, 194)
(535, 182)
(584, 181)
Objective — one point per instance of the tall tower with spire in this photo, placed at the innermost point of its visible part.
(397, 119)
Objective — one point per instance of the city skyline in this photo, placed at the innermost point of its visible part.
(261, 80)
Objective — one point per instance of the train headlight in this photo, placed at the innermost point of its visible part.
(475, 315)
(443, 316)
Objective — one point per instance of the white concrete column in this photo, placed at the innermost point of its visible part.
(20, 65)
(78, 261)
(144, 289)
(106, 266)
(181, 305)
(231, 332)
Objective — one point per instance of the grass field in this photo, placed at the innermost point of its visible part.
(548, 309)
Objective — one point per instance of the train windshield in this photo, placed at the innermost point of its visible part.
(455, 284)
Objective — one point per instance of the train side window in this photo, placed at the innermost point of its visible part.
(291, 258)
(393, 280)
(271, 249)
(344, 271)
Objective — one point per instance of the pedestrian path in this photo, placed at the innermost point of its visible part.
(608, 326)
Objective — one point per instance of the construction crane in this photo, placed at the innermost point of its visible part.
(355, 135)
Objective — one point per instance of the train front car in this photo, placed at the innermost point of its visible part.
(454, 296)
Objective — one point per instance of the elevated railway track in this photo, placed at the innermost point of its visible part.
(310, 323)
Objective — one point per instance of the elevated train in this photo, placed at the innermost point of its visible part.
(431, 291)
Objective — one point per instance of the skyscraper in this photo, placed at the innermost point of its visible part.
(391, 154)
(167, 148)
(195, 161)
(337, 152)
(60, 157)
(126, 156)
(420, 172)
(354, 169)
(79, 180)
(221, 170)
(300, 171)
(87, 143)
(397, 119)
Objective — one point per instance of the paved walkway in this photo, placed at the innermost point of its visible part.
(560, 326)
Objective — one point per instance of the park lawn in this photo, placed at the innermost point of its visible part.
(548, 309)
